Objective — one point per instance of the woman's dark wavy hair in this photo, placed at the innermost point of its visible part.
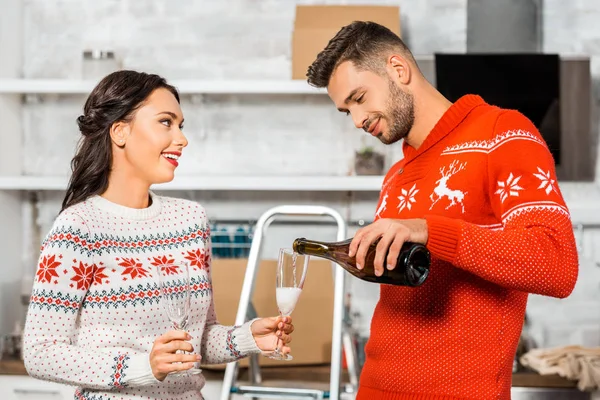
(116, 98)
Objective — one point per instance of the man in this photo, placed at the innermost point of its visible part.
(477, 186)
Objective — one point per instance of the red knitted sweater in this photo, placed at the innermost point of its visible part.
(499, 229)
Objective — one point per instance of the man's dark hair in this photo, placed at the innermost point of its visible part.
(365, 44)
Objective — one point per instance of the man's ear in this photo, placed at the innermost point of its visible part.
(400, 69)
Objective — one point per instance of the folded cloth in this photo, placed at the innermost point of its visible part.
(581, 364)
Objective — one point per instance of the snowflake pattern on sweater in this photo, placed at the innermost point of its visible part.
(95, 308)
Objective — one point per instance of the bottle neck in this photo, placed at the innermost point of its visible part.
(310, 247)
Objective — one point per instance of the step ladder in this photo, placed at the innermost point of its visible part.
(341, 332)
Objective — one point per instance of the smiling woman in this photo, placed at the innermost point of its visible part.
(98, 271)
(131, 125)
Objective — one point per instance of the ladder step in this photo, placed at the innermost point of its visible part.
(279, 392)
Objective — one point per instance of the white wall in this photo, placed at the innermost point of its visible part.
(11, 49)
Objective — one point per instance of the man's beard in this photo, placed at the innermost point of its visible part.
(400, 115)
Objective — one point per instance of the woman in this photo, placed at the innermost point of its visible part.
(94, 319)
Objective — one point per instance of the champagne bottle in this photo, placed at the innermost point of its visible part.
(411, 268)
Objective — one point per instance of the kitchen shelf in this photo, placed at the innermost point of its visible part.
(188, 86)
(185, 86)
(584, 208)
(224, 183)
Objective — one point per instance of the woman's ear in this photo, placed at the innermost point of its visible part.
(119, 131)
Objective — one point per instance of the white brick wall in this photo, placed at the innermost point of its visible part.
(243, 39)
(210, 39)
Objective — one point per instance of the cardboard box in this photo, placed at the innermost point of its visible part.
(312, 317)
(314, 26)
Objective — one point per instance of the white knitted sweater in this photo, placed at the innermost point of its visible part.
(95, 313)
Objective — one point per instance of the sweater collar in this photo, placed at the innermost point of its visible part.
(138, 214)
(457, 112)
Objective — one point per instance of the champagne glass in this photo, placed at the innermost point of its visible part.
(174, 279)
(291, 273)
